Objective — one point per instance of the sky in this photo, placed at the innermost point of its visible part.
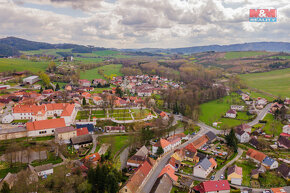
(142, 23)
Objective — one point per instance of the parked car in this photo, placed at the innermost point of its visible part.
(212, 177)
(222, 177)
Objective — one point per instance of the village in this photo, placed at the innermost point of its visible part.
(74, 127)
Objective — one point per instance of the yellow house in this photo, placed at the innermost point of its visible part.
(235, 172)
(64, 134)
(178, 155)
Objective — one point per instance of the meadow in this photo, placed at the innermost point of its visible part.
(274, 82)
(46, 52)
(10, 64)
(117, 142)
(108, 70)
(233, 55)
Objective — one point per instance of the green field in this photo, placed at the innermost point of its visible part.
(281, 57)
(272, 123)
(7, 64)
(46, 52)
(140, 114)
(108, 70)
(233, 55)
(117, 142)
(275, 82)
(247, 168)
(213, 111)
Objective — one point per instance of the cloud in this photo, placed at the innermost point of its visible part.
(146, 23)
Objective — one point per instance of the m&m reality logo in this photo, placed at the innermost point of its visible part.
(263, 15)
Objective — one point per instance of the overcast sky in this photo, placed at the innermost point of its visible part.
(142, 23)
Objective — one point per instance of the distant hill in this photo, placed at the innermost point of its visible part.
(254, 46)
(11, 46)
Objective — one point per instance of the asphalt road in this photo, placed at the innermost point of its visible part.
(261, 114)
(222, 171)
(152, 177)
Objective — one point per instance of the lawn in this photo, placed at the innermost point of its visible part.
(230, 122)
(275, 82)
(140, 114)
(117, 142)
(108, 70)
(176, 189)
(270, 179)
(272, 123)
(247, 168)
(82, 115)
(10, 64)
(233, 55)
(191, 130)
(186, 169)
(119, 111)
(5, 168)
(50, 159)
(244, 116)
(213, 111)
(99, 114)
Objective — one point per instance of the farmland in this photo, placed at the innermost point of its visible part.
(10, 64)
(46, 52)
(108, 70)
(234, 55)
(274, 82)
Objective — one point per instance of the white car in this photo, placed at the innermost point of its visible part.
(222, 177)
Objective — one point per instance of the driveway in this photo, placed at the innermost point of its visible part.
(223, 169)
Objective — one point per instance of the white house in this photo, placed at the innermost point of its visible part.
(242, 136)
(143, 93)
(231, 113)
(7, 119)
(270, 163)
(115, 129)
(261, 101)
(44, 170)
(203, 168)
(98, 100)
(31, 80)
(44, 127)
(237, 107)
(286, 129)
(164, 144)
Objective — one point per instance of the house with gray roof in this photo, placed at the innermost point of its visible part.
(270, 163)
(284, 171)
(203, 168)
(211, 136)
(163, 184)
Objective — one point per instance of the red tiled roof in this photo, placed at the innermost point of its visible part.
(163, 114)
(170, 171)
(213, 162)
(200, 142)
(45, 124)
(213, 186)
(93, 157)
(190, 147)
(256, 155)
(82, 131)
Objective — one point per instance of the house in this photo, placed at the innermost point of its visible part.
(286, 129)
(85, 83)
(164, 115)
(211, 137)
(242, 136)
(93, 158)
(255, 174)
(136, 180)
(245, 97)
(10, 179)
(89, 126)
(190, 153)
(163, 143)
(47, 92)
(170, 172)
(44, 170)
(237, 107)
(276, 106)
(163, 184)
(203, 168)
(245, 127)
(64, 134)
(254, 142)
(99, 81)
(174, 141)
(235, 175)
(98, 100)
(255, 155)
(82, 131)
(200, 142)
(261, 101)
(42, 112)
(31, 80)
(285, 189)
(82, 141)
(283, 142)
(174, 163)
(115, 129)
(221, 186)
(231, 113)
(44, 127)
(179, 155)
(138, 158)
(284, 171)
(7, 119)
(270, 163)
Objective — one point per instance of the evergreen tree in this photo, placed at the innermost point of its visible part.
(159, 151)
(232, 140)
(41, 90)
(57, 87)
(84, 101)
